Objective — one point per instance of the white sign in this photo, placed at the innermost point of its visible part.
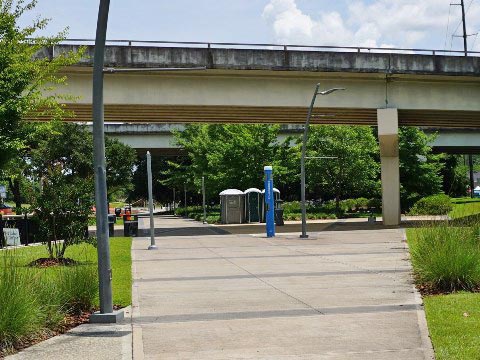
(12, 236)
(3, 191)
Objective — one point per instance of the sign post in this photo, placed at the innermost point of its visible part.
(12, 236)
(269, 201)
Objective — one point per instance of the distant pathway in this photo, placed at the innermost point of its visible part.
(339, 295)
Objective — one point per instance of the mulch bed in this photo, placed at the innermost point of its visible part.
(430, 290)
(49, 262)
(69, 322)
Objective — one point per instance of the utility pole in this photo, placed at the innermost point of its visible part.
(465, 46)
(465, 49)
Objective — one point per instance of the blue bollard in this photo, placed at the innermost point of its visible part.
(269, 201)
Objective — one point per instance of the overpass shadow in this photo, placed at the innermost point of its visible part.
(184, 231)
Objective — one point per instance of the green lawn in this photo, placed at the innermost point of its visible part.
(120, 254)
(454, 324)
(465, 207)
(454, 335)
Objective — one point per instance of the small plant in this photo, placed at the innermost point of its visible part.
(440, 204)
(447, 258)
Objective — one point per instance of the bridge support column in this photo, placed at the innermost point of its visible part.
(390, 164)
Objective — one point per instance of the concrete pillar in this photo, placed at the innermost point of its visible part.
(388, 138)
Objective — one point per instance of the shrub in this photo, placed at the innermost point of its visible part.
(349, 204)
(292, 207)
(20, 312)
(77, 288)
(447, 258)
(432, 205)
(361, 203)
(213, 219)
(375, 203)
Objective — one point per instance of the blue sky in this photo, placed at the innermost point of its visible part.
(405, 23)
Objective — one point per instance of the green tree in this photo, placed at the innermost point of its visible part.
(60, 162)
(227, 155)
(27, 76)
(454, 173)
(353, 171)
(71, 145)
(419, 167)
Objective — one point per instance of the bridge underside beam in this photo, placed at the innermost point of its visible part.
(264, 114)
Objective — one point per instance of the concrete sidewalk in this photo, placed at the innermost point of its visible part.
(338, 295)
(86, 342)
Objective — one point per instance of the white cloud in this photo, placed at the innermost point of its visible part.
(381, 23)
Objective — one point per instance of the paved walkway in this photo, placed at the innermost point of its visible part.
(339, 295)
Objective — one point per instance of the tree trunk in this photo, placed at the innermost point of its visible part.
(15, 189)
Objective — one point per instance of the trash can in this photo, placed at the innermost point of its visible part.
(130, 226)
(253, 206)
(276, 197)
(279, 213)
(232, 206)
(127, 211)
(112, 219)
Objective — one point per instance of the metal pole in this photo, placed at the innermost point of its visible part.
(302, 164)
(103, 247)
(174, 206)
(465, 47)
(472, 180)
(185, 197)
(150, 202)
(203, 201)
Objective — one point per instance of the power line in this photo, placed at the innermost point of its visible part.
(448, 25)
(461, 21)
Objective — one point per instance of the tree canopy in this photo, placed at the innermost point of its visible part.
(28, 75)
(227, 155)
(353, 169)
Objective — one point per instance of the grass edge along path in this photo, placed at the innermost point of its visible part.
(453, 321)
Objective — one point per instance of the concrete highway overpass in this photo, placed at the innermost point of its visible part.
(159, 139)
(246, 85)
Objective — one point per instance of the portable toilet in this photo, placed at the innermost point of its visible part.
(276, 197)
(232, 206)
(253, 205)
(476, 192)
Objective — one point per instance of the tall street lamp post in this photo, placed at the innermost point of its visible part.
(106, 313)
(304, 150)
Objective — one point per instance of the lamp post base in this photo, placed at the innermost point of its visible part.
(109, 318)
(153, 247)
(304, 236)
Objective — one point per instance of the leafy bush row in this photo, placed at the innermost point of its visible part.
(440, 204)
(310, 216)
(36, 301)
(196, 213)
(348, 205)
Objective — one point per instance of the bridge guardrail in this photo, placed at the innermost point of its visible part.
(284, 47)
